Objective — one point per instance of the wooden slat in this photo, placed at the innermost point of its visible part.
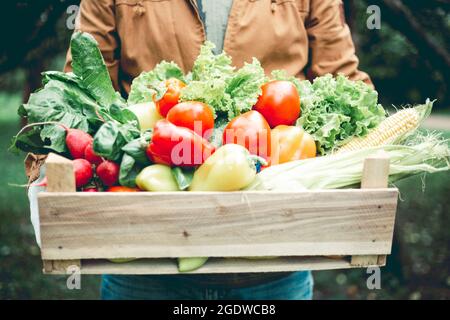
(60, 178)
(59, 173)
(59, 266)
(214, 265)
(375, 175)
(160, 225)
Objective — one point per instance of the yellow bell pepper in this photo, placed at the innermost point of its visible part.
(230, 168)
(147, 114)
(157, 177)
(291, 143)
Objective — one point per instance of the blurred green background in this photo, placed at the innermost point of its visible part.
(408, 60)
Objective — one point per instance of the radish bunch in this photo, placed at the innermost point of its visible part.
(80, 145)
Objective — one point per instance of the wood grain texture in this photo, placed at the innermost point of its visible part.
(214, 265)
(375, 175)
(215, 224)
(59, 173)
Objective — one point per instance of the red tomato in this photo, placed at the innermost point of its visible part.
(193, 115)
(171, 96)
(279, 103)
(122, 189)
(251, 131)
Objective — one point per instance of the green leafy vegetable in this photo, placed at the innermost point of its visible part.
(210, 66)
(129, 169)
(111, 137)
(136, 148)
(216, 83)
(150, 85)
(244, 88)
(337, 109)
(62, 102)
(89, 66)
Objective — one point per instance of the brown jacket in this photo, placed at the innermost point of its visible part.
(305, 37)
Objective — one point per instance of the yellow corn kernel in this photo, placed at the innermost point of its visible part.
(387, 132)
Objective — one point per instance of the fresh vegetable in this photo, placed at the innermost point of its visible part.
(122, 189)
(216, 83)
(190, 264)
(156, 177)
(171, 97)
(230, 168)
(172, 145)
(291, 143)
(111, 137)
(90, 155)
(108, 172)
(335, 110)
(250, 130)
(77, 141)
(151, 85)
(392, 129)
(279, 103)
(83, 172)
(419, 154)
(146, 113)
(193, 115)
(78, 100)
(88, 64)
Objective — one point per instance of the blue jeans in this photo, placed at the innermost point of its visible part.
(295, 286)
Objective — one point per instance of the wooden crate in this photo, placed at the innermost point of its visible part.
(309, 230)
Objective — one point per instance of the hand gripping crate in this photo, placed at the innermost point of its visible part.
(307, 230)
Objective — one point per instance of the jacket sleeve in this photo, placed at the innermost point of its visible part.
(97, 17)
(331, 46)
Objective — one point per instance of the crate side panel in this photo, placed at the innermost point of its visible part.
(154, 225)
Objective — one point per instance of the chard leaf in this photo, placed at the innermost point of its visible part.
(89, 66)
(62, 102)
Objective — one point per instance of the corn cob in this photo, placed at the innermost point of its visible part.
(391, 130)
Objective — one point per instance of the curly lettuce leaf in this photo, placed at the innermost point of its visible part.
(216, 83)
(150, 85)
(337, 110)
(244, 88)
(210, 66)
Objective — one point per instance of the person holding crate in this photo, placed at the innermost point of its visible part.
(307, 38)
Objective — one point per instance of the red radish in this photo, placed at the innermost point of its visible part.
(90, 190)
(90, 155)
(76, 141)
(108, 172)
(83, 172)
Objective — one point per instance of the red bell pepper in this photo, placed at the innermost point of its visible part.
(177, 146)
(251, 131)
